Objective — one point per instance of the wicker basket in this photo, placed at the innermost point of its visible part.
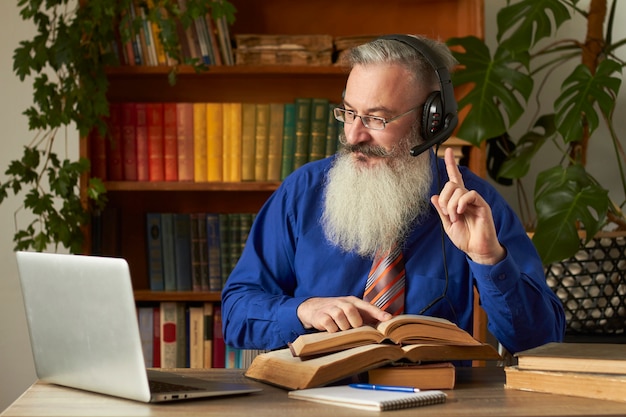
(592, 286)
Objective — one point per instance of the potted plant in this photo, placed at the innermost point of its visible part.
(67, 60)
(508, 81)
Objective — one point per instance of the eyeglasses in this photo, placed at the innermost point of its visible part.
(370, 122)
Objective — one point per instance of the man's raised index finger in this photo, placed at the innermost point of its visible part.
(451, 167)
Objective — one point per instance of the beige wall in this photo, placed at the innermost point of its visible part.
(16, 365)
(16, 368)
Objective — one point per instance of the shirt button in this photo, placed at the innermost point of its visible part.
(501, 277)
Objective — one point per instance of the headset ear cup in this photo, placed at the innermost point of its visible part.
(432, 115)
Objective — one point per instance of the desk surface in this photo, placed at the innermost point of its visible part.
(478, 392)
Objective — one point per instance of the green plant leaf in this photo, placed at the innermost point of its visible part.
(566, 198)
(580, 92)
(518, 163)
(499, 88)
(528, 21)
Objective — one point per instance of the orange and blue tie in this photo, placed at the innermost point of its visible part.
(385, 282)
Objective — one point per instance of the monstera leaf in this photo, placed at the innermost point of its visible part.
(581, 91)
(566, 199)
(499, 91)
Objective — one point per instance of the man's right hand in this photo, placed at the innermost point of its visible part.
(339, 313)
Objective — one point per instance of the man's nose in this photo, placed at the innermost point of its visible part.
(356, 132)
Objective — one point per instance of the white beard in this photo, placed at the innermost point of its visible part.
(367, 209)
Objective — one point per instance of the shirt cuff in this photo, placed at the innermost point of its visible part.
(290, 327)
(504, 275)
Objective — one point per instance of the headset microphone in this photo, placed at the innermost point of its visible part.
(449, 124)
(439, 116)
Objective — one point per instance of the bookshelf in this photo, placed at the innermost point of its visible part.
(257, 84)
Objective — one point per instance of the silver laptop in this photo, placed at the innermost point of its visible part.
(84, 330)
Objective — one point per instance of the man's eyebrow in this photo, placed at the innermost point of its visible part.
(381, 109)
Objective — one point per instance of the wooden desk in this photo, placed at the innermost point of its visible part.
(478, 392)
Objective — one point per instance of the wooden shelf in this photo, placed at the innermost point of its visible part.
(128, 202)
(159, 186)
(158, 296)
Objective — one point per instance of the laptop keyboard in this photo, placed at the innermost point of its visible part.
(160, 386)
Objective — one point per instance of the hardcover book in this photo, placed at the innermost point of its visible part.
(578, 357)
(406, 329)
(439, 375)
(309, 364)
(599, 386)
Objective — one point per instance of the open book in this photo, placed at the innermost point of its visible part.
(351, 354)
(407, 329)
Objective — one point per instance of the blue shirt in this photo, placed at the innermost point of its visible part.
(287, 259)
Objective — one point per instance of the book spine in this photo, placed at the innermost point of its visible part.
(196, 337)
(156, 336)
(332, 132)
(98, 154)
(129, 140)
(262, 141)
(199, 142)
(169, 261)
(319, 126)
(185, 135)
(145, 317)
(196, 252)
(289, 140)
(170, 142)
(232, 142)
(182, 251)
(114, 156)
(169, 334)
(214, 252)
(208, 335)
(275, 147)
(215, 141)
(303, 132)
(155, 252)
(141, 133)
(249, 146)
(156, 164)
(219, 347)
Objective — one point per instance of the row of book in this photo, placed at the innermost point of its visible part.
(205, 40)
(194, 251)
(187, 335)
(200, 142)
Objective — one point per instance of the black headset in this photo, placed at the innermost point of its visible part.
(439, 115)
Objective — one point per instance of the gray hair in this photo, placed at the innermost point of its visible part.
(394, 52)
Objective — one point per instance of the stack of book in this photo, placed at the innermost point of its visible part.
(591, 370)
(317, 359)
(283, 49)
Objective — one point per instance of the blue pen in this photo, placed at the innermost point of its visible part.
(384, 387)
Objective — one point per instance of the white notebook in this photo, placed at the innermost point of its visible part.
(364, 399)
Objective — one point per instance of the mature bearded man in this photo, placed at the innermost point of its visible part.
(310, 251)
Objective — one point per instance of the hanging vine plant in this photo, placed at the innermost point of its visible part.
(67, 60)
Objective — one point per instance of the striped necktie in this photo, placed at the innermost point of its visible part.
(385, 282)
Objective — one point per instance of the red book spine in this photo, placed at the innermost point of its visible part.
(170, 142)
(219, 348)
(156, 165)
(156, 345)
(114, 144)
(129, 139)
(98, 154)
(141, 134)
